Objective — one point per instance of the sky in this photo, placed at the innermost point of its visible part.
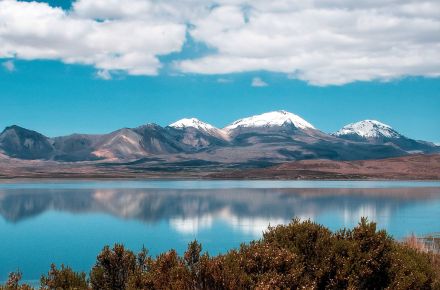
(94, 66)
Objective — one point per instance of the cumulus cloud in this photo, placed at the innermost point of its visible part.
(9, 65)
(258, 82)
(322, 42)
(32, 30)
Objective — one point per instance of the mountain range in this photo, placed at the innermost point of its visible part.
(255, 141)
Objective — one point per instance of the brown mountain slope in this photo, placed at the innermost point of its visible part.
(418, 166)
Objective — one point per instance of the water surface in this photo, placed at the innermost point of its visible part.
(70, 222)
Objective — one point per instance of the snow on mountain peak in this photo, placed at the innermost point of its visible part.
(192, 122)
(368, 129)
(271, 119)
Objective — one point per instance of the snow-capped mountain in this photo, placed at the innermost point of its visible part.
(192, 122)
(368, 129)
(271, 119)
(198, 125)
(262, 139)
(197, 134)
(280, 127)
(375, 132)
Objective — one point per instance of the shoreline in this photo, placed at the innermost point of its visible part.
(13, 179)
(185, 178)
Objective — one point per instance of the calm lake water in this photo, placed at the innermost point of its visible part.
(70, 222)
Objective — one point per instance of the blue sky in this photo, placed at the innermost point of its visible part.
(216, 71)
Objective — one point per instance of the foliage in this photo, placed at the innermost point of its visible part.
(13, 282)
(64, 278)
(113, 268)
(302, 254)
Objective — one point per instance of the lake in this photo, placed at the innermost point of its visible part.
(70, 222)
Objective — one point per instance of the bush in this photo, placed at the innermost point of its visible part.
(13, 282)
(302, 254)
(64, 278)
(113, 268)
(411, 269)
(311, 243)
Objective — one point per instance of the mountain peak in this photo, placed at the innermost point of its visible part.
(368, 129)
(271, 119)
(192, 122)
(14, 127)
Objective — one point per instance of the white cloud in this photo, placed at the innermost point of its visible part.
(9, 65)
(31, 30)
(104, 74)
(322, 42)
(258, 82)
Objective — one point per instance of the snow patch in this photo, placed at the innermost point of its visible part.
(201, 126)
(368, 129)
(192, 122)
(271, 119)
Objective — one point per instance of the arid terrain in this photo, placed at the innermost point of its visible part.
(414, 167)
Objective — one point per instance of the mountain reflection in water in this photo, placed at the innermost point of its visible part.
(189, 210)
(70, 226)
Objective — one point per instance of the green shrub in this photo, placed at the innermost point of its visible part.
(368, 258)
(302, 254)
(113, 268)
(411, 269)
(311, 243)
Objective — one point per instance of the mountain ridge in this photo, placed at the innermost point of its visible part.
(271, 137)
